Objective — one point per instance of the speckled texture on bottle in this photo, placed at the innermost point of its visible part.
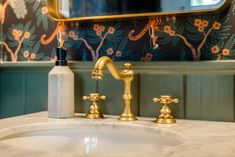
(60, 92)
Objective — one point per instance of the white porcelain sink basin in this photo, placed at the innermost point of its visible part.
(90, 138)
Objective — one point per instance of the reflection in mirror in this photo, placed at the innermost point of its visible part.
(130, 8)
(77, 8)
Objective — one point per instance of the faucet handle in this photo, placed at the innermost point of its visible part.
(166, 100)
(93, 112)
(85, 97)
(127, 66)
(165, 116)
(103, 97)
(94, 97)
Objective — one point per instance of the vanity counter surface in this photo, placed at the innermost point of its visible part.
(201, 138)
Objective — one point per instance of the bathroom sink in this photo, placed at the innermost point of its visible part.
(105, 139)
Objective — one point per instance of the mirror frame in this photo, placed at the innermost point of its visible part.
(53, 12)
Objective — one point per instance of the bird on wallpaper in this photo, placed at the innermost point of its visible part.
(18, 6)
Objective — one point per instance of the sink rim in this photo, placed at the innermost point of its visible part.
(6, 133)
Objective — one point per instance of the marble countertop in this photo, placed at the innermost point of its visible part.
(201, 138)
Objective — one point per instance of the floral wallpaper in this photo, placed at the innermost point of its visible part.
(28, 34)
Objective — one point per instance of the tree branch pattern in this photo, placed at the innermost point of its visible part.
(32, 36)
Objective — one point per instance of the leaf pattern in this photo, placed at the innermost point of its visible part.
(201, 37)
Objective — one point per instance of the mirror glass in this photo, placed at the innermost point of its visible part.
(129, 8)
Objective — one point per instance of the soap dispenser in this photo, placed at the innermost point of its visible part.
(61, 88)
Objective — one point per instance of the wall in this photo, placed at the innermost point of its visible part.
(28, 35)
(206, 90)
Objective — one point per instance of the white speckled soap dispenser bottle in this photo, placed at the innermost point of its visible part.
(61, 88)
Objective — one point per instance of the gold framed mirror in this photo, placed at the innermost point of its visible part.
(77, 10)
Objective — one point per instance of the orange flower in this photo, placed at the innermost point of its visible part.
(26, 54)
(98, 33)
(216, 25)
(27, 35)
(102, 28)
(172, 33)
(71, 33)
(205, 23)
(75, 37)
(33, 56)
(109, 51)
(19, 33)
(226, 52)
(201, 29)
(111, 30)
(118, 53)
(167, 29)
(148, 57)
(215, 49)
(44, 10)
(14, 32)
(95, 27)
(197, 22)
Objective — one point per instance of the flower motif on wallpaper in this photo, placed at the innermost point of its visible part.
(168, 30)
(18, 35)
(94, 39)
(202, 24)
(41, 13)
(148, 57)
(221, 50)
(200, 30)
(220, 53)
(199, 37)
(216, 50)
(117, 50)
(31, 53)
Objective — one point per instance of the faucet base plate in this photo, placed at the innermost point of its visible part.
(165, 121)
(127, 118)
(94, 116)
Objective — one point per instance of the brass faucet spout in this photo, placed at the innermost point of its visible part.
(97, 73)
(126, 76)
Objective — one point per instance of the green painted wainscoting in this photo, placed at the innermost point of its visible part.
(205, 89)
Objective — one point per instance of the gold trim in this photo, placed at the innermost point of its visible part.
(55, 15)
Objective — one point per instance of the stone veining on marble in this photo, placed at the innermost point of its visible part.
(199, 138)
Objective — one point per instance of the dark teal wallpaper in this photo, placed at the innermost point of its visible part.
(30, 35)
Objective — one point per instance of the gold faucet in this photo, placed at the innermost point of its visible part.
(126, 75)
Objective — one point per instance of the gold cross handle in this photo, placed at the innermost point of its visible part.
(94, 110)
(165, 116)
